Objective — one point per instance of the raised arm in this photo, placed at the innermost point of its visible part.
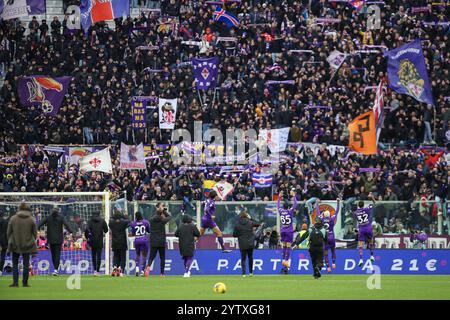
(425, 152)
(338, 206)
(280, 195)
(67, 226)
(309, 204)
(295, 202)
(42, 223)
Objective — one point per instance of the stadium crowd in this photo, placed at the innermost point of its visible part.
(108, 68)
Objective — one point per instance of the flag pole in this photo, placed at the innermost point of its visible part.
(199, 97)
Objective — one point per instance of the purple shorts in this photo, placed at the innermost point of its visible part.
(208, 223)
(330, 244)
(287, 236)
(365, 234)
(141, 247)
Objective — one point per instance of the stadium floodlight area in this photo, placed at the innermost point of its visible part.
(77, 208)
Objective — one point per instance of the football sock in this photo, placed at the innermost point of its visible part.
(220, 239)
(360, 252)
(333, 255)
(288, 253)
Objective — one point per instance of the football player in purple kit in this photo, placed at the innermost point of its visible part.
(329, 222)
(140, 228)
(363, 217)
(208, 219)
(286, 230)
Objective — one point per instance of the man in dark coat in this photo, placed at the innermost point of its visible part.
(158, 236)
(118, 225)
(246, 238)
(94, 233)
(3, 240)
(317, 240)
(55, 235)
(187, 233)
(22, 234)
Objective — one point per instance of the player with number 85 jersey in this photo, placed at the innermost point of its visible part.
(140, 228)
(287, 229)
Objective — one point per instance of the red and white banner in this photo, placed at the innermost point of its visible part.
(97, 161)
(132, 157)
(167, 113)
(223, 189)
(378, 108)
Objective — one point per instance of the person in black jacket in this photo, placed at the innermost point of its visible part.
(94, 233)
(187, 233)
(3, 240)
(158, 237)
(118, 225)
(246, 238)
(55, 235)
(317, 240)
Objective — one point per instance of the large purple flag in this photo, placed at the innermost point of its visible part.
(407, 72)
(43, 91)
(205, 72)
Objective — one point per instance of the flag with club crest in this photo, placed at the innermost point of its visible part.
(167, 113)
(407, 72)
(97, 161)
(223, 189)
(44, 92)
(205, 72)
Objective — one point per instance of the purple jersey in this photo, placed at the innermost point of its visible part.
(210, 208)
(364, 217)
(140, 229)
(287, 216)
(330, 222)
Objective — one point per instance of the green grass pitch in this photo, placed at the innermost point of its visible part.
(259, 287)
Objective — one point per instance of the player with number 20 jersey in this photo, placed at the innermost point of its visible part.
(140, 228)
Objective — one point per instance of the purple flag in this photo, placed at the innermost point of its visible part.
(43, 91)
(407, 72)
(138, 113)
(205, 72)
(36, 6)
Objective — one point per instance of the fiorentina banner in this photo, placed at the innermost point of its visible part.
(138, 113)
(276, 139)
(205, 72)
(363, 134)
(44, 92)
(97, 161)
(407, 72)
(21, 8)
(167, 113)
(132, 157)
(93, 11)
(223, 189)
